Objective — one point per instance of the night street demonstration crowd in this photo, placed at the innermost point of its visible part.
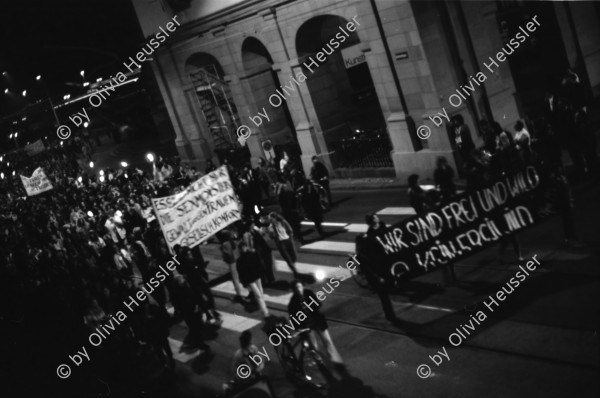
(70, 257)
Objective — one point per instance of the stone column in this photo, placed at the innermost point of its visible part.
(306, 122)
(184, 112)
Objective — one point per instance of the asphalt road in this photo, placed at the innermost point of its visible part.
(542, 341)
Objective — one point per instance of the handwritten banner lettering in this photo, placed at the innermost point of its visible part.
(37, 183)
(190, 217)
(469, 222)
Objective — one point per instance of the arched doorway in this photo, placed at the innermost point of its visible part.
(216, 102)
(344, 96)
(263, 81)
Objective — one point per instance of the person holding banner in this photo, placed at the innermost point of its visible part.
(417, 197)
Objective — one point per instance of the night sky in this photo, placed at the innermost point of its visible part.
(59, 38)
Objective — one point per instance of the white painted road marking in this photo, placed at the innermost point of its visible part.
(331, 246)
(396, 211)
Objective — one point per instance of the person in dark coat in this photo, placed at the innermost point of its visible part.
(184, 302)
(416, 195)
(249, 267)
(320, 174)
(253, 237)
(443, 176)
(157, 331)
(376, 226)
(311, 202)
(367, 258)
(463, 140)
(199, 285)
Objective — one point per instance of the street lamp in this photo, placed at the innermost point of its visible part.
(101, 173)
(24, 93)
(5, 91)
(124, 164)
(91, 165)
(82, 73)
(150, 157)
(39, 78)
(85, 125)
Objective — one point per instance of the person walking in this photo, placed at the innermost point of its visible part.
(199, 285)
(184, 302)
(281, 232)
(228, 251)
(320, 175)
(417, 196)
(289, 206)
(157, 331)
(310, 200)
(248, 267)
(443, 176)
(371, 266)
(253, 237)
(463, 140)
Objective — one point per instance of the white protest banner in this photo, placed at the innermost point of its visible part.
(204, 208)
(35, 148)
(37, 183)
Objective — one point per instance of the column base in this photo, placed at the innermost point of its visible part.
(421, 163)
(194, 152)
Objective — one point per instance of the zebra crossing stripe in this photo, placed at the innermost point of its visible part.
(330, 246)
(396, 211)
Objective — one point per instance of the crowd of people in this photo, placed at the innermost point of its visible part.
(71, 256)
(564, 125)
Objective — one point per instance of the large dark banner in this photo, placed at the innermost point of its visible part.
(469, 222)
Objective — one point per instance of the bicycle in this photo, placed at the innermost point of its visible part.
(301, 360)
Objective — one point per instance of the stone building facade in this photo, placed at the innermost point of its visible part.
(232, 61)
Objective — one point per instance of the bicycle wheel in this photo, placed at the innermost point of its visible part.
(360, 278)
(287, 358)
(314, 368)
